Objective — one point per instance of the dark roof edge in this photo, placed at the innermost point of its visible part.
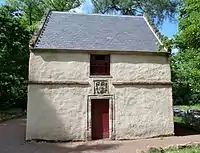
(142, 52)
(39, 30)
(154, 30)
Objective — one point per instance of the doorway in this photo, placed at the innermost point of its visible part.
(100, 118)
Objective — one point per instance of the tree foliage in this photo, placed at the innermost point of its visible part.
(31, 11)
(18, 20)
(62, 5)
(186, 63)
(189, 26)
(14, 40)
(155, 8)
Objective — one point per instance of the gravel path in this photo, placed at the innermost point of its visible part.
(12, 141)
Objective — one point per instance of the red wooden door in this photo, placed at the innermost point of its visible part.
(100, 118)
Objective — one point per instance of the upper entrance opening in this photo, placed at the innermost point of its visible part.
(99, 64)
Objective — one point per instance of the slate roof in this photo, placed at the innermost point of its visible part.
(63, 30)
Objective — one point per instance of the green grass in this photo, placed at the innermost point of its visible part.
(186, 107)
(178, 119)
(175, 150)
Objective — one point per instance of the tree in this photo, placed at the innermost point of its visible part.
(14, 44)
(62, 5)
(154, 8)
(186, 63)
(189, 26)
(32, 11)
(185, 76)
(18, 20)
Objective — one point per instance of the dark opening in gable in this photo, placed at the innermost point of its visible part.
(99, 64)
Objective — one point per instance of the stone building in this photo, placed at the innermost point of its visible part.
(98, 76)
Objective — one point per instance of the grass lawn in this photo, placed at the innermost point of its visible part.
(174, 150)
(178, 119)
(186, 107)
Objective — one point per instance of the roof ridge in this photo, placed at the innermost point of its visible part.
(96, 14)
(40, 30)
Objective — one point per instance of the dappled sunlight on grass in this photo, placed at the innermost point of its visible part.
(178, 119)
(186, 107)
(175, 150)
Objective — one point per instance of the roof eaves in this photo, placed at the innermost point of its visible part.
(37, 34)
(54, 50)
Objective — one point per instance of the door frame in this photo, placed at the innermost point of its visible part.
(111, 116)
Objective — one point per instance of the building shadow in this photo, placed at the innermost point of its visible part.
(12, 140)
(51, 126)
(183, 130)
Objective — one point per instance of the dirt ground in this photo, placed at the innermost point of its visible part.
(12, 135)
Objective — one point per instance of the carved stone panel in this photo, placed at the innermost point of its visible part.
(100, 87)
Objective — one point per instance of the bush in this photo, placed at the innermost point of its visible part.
(192, 118)
(14, 56)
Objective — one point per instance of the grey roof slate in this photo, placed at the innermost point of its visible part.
(63, 30)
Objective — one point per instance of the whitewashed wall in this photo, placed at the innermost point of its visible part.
(143, 112)
(59, 67)
(140, 68)
(56, 112)
(60, 111)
